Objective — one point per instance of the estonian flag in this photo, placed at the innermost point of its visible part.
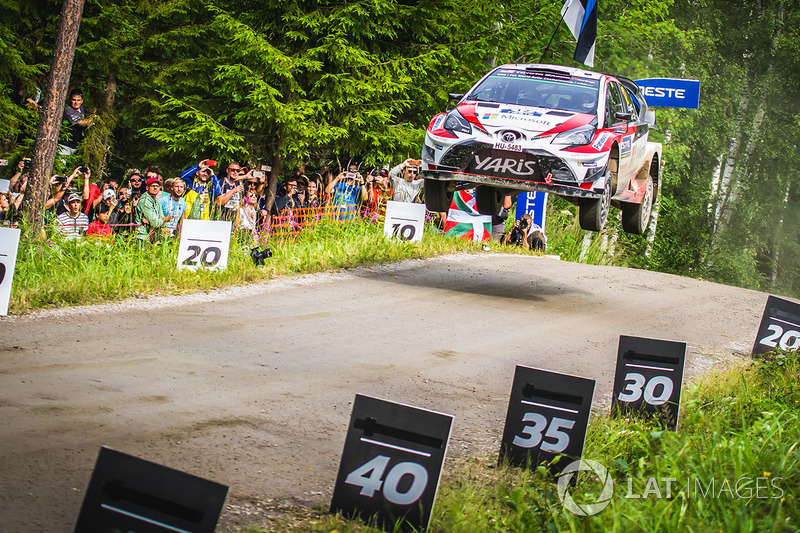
(581, 17)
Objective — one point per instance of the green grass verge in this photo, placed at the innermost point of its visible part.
(62, 273)
(739, 431)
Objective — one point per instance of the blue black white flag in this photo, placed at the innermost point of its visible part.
(581, 17)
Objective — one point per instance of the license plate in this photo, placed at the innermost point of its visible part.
(508, 146)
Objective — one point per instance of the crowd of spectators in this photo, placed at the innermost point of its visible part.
(150, 207)
(145, 205)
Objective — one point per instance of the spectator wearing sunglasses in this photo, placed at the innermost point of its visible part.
(149, 213)
(232, 190)
(202, 190)
(133, 179)
(406, 181)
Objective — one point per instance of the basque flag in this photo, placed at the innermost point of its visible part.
(581, 17)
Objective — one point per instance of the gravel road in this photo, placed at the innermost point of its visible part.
(252, 386)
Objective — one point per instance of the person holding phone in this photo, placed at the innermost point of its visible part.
(406, 181)
(348, 189)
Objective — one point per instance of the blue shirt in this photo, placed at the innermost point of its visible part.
(172, 208)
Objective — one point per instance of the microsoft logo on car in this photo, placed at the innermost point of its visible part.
(601, 474)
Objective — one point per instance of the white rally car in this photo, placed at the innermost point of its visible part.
(579, 134)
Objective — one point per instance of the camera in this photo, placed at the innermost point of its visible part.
(523, 224)
(258, 256)
(83, 170)
(350, 175)
(60, 179)
(258, 174)
(26, 164)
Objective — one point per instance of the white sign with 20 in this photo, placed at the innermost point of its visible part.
(204, 244)
(785, 339)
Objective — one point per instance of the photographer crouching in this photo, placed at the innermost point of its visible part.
(526, 233)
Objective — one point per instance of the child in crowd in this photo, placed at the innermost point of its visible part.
(99, 228)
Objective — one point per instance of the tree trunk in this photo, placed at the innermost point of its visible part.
(100, 136)
(778, 237)
(51, 111)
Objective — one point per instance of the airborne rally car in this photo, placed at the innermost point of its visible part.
(579, 134)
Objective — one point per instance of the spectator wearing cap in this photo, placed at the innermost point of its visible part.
(72, 223)
(107, 198)
(148, 212)
(134, 180)
(174, 205)
(406, 181)
(201, 180)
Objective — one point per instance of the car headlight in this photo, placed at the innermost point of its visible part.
(575, 137)
(455, 121)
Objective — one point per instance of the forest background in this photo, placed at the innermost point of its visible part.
(291, 82)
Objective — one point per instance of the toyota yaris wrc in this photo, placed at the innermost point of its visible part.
(578, 134)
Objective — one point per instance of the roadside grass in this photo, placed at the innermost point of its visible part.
(63, 273)
(732, 466)
(60, 273)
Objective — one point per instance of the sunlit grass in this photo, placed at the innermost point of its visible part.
(740, 425)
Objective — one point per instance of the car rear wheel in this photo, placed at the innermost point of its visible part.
(593, 212)
(636, 217)
(488, 200)
(437, 197)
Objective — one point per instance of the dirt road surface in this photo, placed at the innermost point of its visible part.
(252, 387)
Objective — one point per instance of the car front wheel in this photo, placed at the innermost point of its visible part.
(636, 217)
(437, 197)
(593, 212)
(488, 200)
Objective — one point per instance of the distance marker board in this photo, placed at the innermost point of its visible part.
(131, 495)
(404, 221)
(204, 244)
(547, 416)
(649, 378)
(391, 463)
(780, 326)
(9, 244)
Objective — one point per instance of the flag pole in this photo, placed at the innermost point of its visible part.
(546, 48)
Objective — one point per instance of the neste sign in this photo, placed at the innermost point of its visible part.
(671, 92)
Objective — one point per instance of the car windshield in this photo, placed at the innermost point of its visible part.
(518, 87)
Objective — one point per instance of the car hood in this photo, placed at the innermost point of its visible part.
(491, 117)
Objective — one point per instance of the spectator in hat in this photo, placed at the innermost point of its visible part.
(134, 180)
(72, 223)
(148, 212)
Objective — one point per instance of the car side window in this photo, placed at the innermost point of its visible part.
(633, 104)
(613, 104)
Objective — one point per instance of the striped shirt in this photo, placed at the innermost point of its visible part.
(72, 228)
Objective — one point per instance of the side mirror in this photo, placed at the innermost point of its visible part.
(451, 97)
(623, 117)
(650, 119)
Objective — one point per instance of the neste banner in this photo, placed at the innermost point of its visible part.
(671, 92)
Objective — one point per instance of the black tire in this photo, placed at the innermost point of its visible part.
(488, 200)
(437, 197)
(593, 212)
(636, 217)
